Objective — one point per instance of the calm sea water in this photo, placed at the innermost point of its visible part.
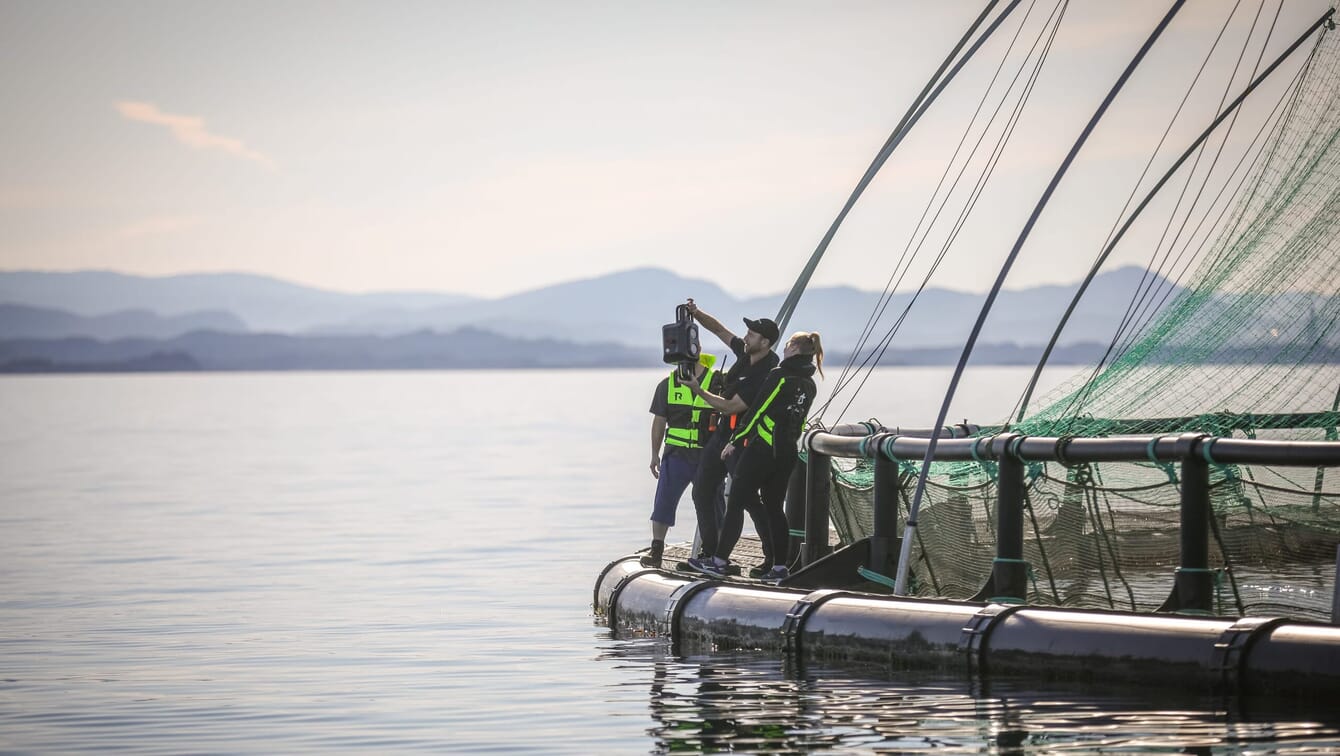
(389, 562)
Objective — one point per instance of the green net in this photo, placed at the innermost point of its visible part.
(1248, 347)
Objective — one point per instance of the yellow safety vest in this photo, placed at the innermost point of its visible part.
(687, 436)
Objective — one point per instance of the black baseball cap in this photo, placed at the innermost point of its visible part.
(764, 327)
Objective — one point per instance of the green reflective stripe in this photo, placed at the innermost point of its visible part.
(765, 429)
(760, 413)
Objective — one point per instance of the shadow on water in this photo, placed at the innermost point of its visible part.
(755, 703)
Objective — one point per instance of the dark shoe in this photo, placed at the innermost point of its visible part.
(707, 567)
(648, 560)
(776, 574)
(759, 571)
(684, 566)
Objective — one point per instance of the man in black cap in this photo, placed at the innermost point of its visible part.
(754, 359)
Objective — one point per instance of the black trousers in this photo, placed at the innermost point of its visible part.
(707, 497)
(759, 488)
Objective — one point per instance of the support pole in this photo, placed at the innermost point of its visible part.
(1193, 589)
(887, 491)
(1009, 572)
(816, 509)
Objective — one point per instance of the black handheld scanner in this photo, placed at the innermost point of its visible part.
(680, 342)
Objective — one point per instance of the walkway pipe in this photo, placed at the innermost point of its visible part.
(1222, 655)
(1134, 448)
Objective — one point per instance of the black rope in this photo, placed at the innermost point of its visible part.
(895, 279)
(1014, 253)
(913, 114)
(872, 358)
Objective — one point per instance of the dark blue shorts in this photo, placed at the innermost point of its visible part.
(677, 471)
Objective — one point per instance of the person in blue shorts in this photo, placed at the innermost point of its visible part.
(681, 424)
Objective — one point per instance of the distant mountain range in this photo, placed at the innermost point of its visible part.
(237, 321)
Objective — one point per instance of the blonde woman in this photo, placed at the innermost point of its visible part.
(766, 444)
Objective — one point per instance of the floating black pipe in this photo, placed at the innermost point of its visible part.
(1222, 655)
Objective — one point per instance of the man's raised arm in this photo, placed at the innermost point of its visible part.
(711, 324)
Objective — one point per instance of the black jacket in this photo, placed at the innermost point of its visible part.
(782, 405)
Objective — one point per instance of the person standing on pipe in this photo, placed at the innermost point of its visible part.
(683, 423)
(766, 444)
(754, 359)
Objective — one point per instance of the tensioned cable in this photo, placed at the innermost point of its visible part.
(873, 356)
(900, 587)
(1143, 307)
(975, 194)
(914, 113)
(1134, 189)
(894, 278)
(1107, 251)
(1154, 272)
(1080, 397)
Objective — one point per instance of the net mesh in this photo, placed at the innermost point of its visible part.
(1247, 348)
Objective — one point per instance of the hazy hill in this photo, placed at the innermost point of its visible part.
(261, 302)
(23, 322)
(630, 307)
(208, 350)
(627, 307)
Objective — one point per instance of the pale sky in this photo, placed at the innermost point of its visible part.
(495, 146)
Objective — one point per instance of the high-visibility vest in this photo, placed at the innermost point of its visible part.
(760, 421)
(688, 435)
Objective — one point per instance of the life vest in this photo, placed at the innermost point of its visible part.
(761, 422)
(690, 434)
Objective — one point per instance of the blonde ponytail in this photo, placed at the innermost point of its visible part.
(808, 342)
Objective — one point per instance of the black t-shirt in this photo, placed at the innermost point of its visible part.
(678, 414)
(744, 379)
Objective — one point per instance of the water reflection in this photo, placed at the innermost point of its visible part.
(760, 704)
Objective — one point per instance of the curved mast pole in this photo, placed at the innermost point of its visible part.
(1107, 251)
(913, 114)
(909, 530)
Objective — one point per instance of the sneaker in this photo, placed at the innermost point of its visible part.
(707, 566)
(776, 574)
(684, 566)
(648, 560)
(759, 571)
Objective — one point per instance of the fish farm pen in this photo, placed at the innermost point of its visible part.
(1170, 516)
(1026, 563)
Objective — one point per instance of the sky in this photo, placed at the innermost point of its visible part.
(491, 147)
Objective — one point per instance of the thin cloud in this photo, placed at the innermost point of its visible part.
(190, 131)
(157, 226)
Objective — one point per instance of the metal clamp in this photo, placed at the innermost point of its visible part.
(611, 613)
(1231, 650)
(800, 611)
(674, 606)
(978, 628)
(595, 593)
